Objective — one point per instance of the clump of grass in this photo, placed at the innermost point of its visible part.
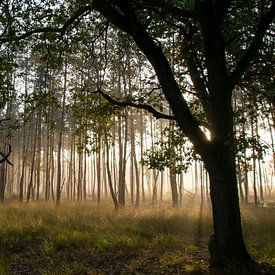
(167, 260)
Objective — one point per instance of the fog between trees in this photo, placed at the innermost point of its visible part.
(70, 72)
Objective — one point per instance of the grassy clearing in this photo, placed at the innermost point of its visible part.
(87, 239)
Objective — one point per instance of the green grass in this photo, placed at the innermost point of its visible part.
(259, 229)
(89, 239)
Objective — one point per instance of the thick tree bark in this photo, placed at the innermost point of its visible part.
(227, 244)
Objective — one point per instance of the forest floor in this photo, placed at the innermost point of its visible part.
(88, 239)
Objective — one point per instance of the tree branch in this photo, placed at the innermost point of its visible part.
(5, 157)
(196, 73)
(60, 30)
(255, 45)
(105, 7)
(127, 103)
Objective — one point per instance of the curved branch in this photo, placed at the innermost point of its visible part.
(142, 106)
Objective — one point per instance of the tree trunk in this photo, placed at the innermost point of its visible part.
(60, 138)
(254, 169)
(24, 143)
(70, 171)
(80, 174)
(85, 175)
(226, 245)
(104, 173)
(122, 161)
(52, 164)
(47, 169)
(2, 181)
(98, 162)
(174, 188)
(240, 179)
(259, 163)
(38, 158)
(30, 185)
(181, 188)
(109, 174)
(132, 161)
(155, 189)
(141, 153)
